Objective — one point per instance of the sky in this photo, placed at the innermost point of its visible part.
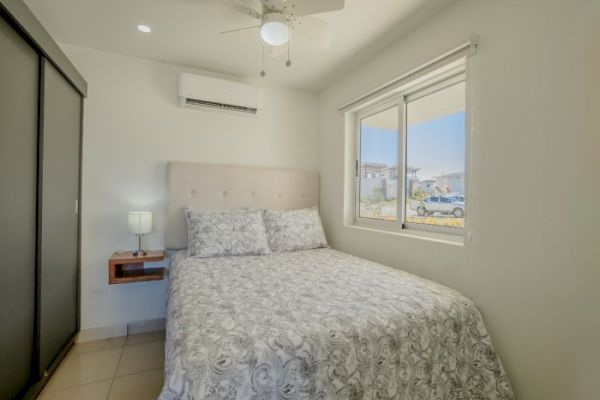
(436, 146)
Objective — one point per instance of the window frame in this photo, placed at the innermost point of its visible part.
(401, 99)
(363, 114)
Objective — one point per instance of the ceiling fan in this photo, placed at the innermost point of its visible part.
(280, 19)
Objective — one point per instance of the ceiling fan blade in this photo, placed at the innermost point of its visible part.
(240, 29)
(299, 8)
(315, 31)
(253, 8)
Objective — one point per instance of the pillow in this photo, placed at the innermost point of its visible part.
(294, 229)
(226, 233)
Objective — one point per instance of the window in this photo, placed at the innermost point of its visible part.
(411, 156)
(435, 146)
(378, 191)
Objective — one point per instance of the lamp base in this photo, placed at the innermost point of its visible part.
(139, 252)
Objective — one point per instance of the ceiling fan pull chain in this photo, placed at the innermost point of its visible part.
(288, 63)
(263, 73)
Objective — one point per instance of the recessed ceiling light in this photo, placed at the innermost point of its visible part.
(144, 28)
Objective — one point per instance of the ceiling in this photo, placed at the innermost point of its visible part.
(186, 32)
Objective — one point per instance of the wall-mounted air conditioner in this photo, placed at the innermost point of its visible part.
(212, 94)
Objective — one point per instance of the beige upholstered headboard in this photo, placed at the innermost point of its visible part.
(209, 186)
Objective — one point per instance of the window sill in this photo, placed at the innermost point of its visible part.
(443, 238)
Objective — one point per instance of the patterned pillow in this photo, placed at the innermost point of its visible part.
(226, 233)
(294, 229)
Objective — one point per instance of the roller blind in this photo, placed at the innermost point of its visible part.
(466, 49)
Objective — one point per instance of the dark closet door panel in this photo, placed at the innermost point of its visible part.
(19, 72)
(61, 128)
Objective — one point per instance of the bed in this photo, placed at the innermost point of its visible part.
(312, 324)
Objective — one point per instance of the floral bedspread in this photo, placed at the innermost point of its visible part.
(321, 324)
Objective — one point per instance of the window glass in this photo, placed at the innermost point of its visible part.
(410, 167)
(378, 190)
(435, 158)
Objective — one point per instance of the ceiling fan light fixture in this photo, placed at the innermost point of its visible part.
(275, 30)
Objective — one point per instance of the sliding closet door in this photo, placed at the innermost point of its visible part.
(59, 188)
(19, 70)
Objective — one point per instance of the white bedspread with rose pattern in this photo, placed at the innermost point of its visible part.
(321, 324)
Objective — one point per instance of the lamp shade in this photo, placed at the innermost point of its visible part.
(140, 222)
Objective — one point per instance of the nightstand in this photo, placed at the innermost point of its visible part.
(124, 267)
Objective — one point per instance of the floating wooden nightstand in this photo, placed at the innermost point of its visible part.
(124, 267)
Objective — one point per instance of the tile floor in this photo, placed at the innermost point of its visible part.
(112, 369)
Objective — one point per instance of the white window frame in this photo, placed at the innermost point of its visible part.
(400, 99)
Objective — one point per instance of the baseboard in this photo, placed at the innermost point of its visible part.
(149, 325)
(131, 328)
(101, 332)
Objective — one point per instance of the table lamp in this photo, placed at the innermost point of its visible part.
(140, 223)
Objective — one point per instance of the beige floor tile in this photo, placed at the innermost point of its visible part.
(143, 386)
(142, 357)
(81, 368)
(90, 391)
(96, 345)
(145, 338)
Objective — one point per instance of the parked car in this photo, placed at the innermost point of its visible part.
(447, 205)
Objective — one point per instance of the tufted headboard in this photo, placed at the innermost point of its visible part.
(210, 186)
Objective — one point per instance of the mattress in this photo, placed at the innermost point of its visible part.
(321, 324)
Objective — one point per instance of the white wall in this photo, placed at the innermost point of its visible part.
(132, 128)
(533, 265)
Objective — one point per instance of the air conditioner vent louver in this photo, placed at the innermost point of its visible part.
(219, 95)
(221, 106)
